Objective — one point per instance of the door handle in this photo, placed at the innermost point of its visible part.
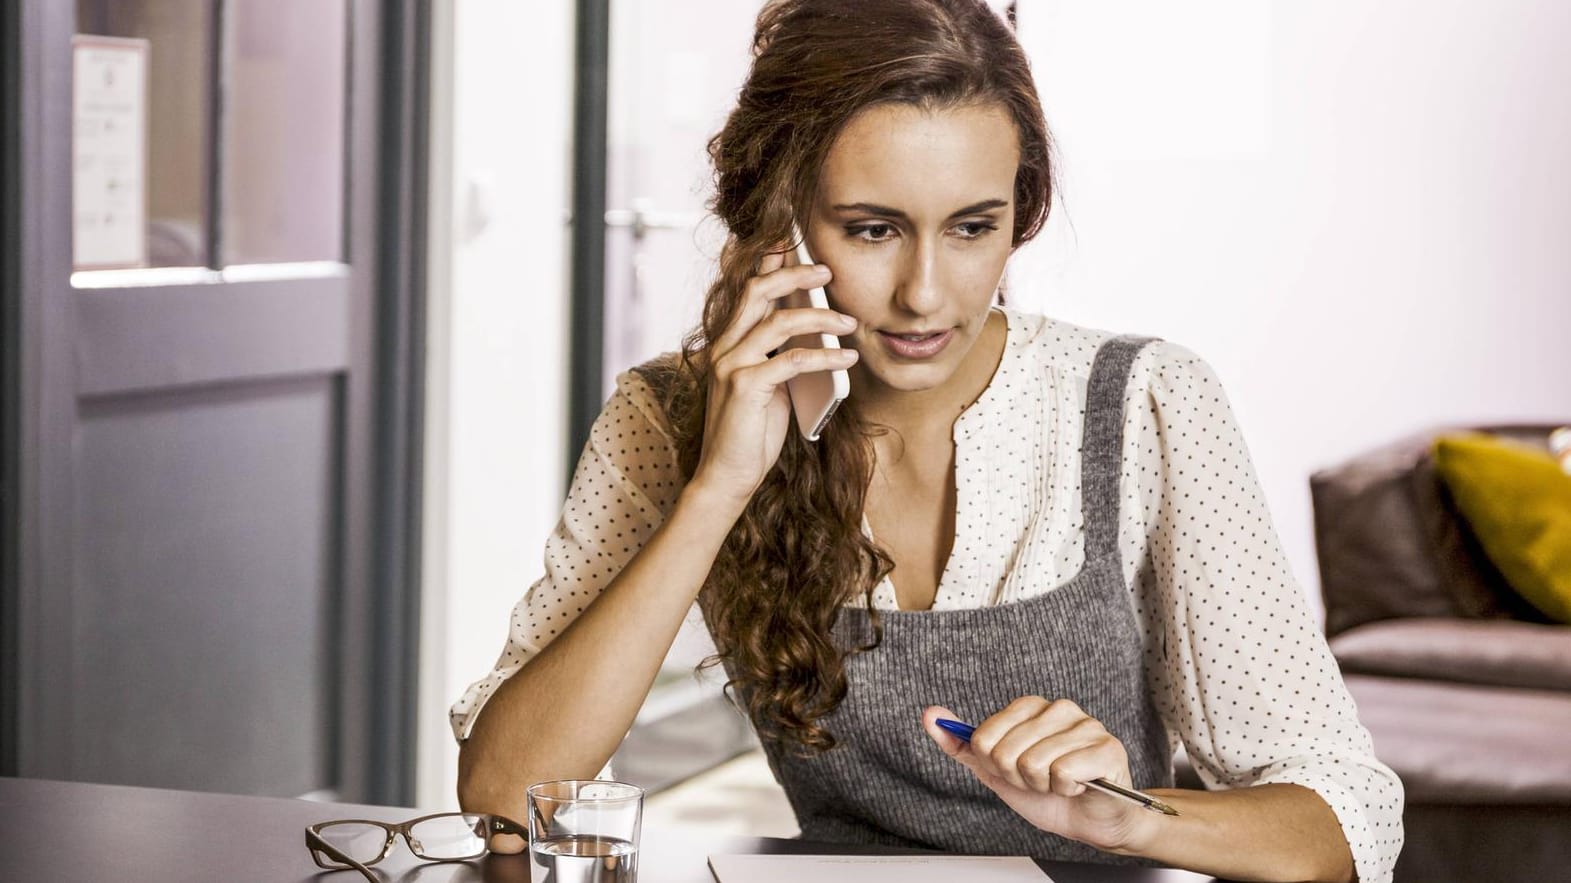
(643, 217)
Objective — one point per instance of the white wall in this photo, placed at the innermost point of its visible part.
(498, 342)
(1359, 213)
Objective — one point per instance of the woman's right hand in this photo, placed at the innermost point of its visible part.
(749, 411)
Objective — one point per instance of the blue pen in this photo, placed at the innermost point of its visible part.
(963, 731)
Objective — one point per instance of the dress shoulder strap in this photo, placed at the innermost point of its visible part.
(1102, 445)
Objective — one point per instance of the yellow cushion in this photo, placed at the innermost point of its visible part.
(1518, 502)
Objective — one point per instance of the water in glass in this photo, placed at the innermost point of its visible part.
(584, 858)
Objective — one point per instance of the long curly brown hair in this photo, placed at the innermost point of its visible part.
(798, 552)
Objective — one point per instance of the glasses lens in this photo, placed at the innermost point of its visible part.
(456, 836)
(361, 842)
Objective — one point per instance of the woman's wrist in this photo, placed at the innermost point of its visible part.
(1145, 829)
(714, 503)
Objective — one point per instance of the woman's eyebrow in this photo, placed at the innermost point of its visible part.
(887, 212)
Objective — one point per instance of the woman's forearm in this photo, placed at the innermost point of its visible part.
(1268, 832)
(565, 712)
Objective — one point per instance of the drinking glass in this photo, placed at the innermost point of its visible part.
(584, 831)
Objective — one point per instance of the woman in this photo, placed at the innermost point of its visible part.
(1045, 529)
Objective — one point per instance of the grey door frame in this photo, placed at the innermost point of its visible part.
(400, 248)
(13, 52)
(385, 246)
(586, 350)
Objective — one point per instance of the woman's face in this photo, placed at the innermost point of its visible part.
(914, 216)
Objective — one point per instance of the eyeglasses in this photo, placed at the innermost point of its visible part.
(444, 837)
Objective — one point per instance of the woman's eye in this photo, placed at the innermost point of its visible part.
(975, 229)
(873, 232)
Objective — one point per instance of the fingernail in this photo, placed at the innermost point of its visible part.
(847, 321)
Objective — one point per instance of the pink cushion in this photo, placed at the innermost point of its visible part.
(1474, 651)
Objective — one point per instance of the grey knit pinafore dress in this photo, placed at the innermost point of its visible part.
(886, 782)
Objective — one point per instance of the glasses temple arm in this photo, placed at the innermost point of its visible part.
(315, 842)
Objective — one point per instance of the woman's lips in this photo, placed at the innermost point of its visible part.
(925, 348)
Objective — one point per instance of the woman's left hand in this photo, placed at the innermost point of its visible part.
(1036, 755)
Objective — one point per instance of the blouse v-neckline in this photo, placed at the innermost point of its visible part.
(970, 490)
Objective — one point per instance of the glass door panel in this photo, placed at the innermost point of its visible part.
(173, 110)
(283, 153)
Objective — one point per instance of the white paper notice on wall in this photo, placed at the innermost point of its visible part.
(109, 152)
(875, 869)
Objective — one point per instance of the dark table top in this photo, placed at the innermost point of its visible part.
(69, 831)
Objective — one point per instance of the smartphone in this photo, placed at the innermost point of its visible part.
(814, 396)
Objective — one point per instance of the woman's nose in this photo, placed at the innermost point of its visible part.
(918, 290)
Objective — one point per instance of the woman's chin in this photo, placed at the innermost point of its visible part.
(901, 378)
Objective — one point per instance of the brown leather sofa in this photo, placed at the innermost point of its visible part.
(1465, 688)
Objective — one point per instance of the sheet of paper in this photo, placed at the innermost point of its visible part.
(874, 869)
(109, 152)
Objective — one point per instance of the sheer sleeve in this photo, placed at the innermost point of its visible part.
(626, 480)
(1238, 669)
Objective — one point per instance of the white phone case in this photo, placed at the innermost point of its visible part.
(814, 396)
